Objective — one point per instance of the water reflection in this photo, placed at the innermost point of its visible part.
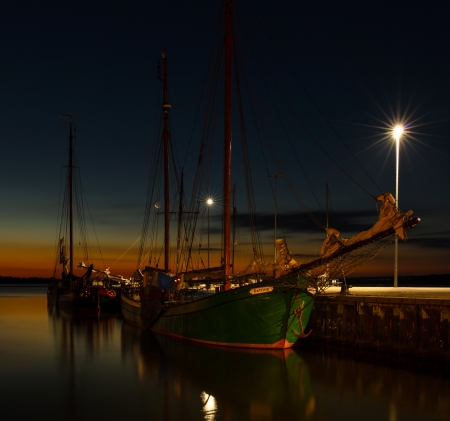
(60, 366)
(162, 378)
(81, 343)
(90, 332)
(222, 383)
(377, 388)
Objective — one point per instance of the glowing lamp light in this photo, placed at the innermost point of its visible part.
(398, 130)
(209, 201)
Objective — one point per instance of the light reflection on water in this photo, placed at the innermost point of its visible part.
(209, 406)
(57, 366)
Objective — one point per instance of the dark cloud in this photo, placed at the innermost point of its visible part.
(300, 222)
(431, 242)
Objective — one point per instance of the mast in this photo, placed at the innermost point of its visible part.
(234, 230)
(180, 220)
(70, 201)
(227, 138)
(70, 195)
(166, 109)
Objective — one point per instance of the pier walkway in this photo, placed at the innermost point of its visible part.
(391, 292)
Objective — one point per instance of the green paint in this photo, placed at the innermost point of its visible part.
(240, 318)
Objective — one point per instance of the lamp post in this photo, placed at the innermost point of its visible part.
(398, 130)
(275, 215)
(209, 203)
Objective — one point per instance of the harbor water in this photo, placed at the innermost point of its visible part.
(60, 366)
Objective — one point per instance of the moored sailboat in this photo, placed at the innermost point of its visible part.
(260, 308)
(89, 290)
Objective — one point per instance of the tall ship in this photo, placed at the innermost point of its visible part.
(264, 304)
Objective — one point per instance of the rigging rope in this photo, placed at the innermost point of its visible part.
(279, 117)
(321, 113)
(205, 81)
(257, 116)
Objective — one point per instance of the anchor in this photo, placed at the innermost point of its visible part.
(298, 313)
(301, 335)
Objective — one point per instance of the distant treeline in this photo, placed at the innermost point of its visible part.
(403, 281)
(14, 280)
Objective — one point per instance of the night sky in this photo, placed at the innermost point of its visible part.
(365, 65)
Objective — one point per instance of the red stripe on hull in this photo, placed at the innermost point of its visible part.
(281, 344)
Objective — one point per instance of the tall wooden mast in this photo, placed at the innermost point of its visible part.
(180, 220)
(70, 181)
(166, 137)
(71, 201)
(227, 137)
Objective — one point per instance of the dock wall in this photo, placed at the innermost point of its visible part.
(413, 326)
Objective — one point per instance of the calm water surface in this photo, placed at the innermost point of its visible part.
(54, 366)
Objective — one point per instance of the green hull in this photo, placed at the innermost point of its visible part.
(270, 314)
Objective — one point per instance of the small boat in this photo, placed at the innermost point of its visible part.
(266, 305)
(88, 290)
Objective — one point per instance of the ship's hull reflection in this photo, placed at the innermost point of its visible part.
(101, 368)
(221, 383)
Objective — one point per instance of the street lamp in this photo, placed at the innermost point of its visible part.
(397, 132)
(275, 215)
(209, 203)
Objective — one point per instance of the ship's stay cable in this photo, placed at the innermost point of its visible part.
(205, 81)
(259, 122)
(152, 181)
(245, 26)
(277, 112)
(172, 142)
(154, 192)
(77, 189)
(153, 235)
(125, 225)
(154, 154)
(65, 212)
(124, 253)
(58, 230)
(258, 117)
(255, 232)
(81, 201)
(93, 228)
(204, 163)
(321, 113)
(157, 199)
(201, 177)
(158, 99)
(331, 206)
